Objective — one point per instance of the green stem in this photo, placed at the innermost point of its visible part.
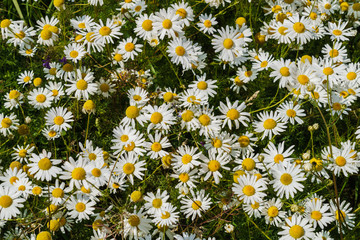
(16, 4)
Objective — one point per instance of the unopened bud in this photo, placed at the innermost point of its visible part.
(316, 126)
(261, 158)
(310, 128)
(310, 87)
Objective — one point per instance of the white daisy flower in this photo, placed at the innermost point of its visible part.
(167, 23)
(287, 178)
(181, 52)
(298, 28)
(186, 179)
(144, 26)
(297, 227)
(76, 172)
(156, 146)
(184, 11)
(129, 166)
(289, 112)
(8, 124)
(210, 125)
(338, 31)
(233, 114)
(136, 225)
(40, 98)
(228, 44)
(345, 216)
(272, 212)
(155, 203)
(318, 213)
(58, 193)
(129, 49)
(82, 86)
(269, 124)
(80, 207)
(205, 85)
(138, 96)
(211, 165)
(25, 78)
(160, 117)
(193, 97)
(58, 119)
(43, 166)
(199, 202)
(74, 52)
(10, 202)
(23, 153)
(104, 33)
(187, 158)
(250, 189)
(207, 23)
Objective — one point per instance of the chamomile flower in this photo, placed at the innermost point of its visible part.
(290, 112)
(105, 87)
(248, 162)
(279, 32)
(233, 114)
(318, 213)
(263, 61)
(213, 163)
(220, 143)
(283, 70)
(181, 52)
(56, 89)
(76, 172)
(269, 124)
(129, 49)
(23, 153)
(144, 26)
(82, 23)
(199, 202)
(136, 224)
(298, 29)
(21, 35)
(287, 178)
(80, 207)
(25, 78)
(210, 124)
(167, 23)
(272, 212)
(228, 44)
(91, 152)
(336, 53)
(193, 97)
(51, 72)
(24, 186)
(187, 158)
(138, 96)
(155, 203)
(338, 31)
(185, 12)
(129, 166)
(43, 166)
(160, 117)
(205, 85)
(58, 192)
(50, 134)
(188, 120)
(10, 176)
(344, 161)
(297, 227)
(74, 52)
(217, 3)
(98, 173)
(352, 73)
(186, 179)
(345, 216)
(104, 33)
(354, 10)
(139, 7)
(8, 123)
(10, 202)
(207, 23)
(82, 86)
(167, 217)
(58, 119)
(28, 52)
(156, 145)
(246, 142)
(253, 209)
(328, 6)
(250, 189)
(40, 98)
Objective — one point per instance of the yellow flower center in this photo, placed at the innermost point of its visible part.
(105, 31)
(52, 133)
(129, 47)
(40, 98)
(264, 64)
(244, 141)
(184, 177)
(58, 4)
(14, 94)
(327, 6)
(204, 120)
(96, 172)
(166, 215)
(53, 225)
(328, 71)
(299, 27)
(6, 122)
(316, 215)
(5, 201)
(45, 164)
(5, 23)
(81, 84)
(129, 147)
(147, 25)
(284, 71)
(296, 231)
(228, 43)
(340, 217)
(248, 190)
(157, 203)
(27, 79)
(57, 193)
(248, 164)
(13, 179)
(286, 179)
(196, 205)
(273, 211)
(233, 114)
(134, 220)
(68, 67)
(214, 165)
(156, 118)
(137, 8)
(186, 158)
(20, 35)
(52, 71)
(337, 32)
(340, 161)
(334, 53)
(137, 97)
(74, 54)
(45, 235)
(350, 76)
(156, 147)
(291, 113)
(356, 7)
(78, 173)
(167, 24)
(117, 57)
(128, 168)
(36, 190)
(132, 112)
(90, 37)
(216, 142)
(58, 120)
(303, 79)
(207, 23)
(256, 205)
(269, 123)
(180, 51)
(136, 196)
(181, 12)
(187, 116)
(80, 207)
(22, 153)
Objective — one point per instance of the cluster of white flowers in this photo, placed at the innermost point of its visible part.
(200, 137)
